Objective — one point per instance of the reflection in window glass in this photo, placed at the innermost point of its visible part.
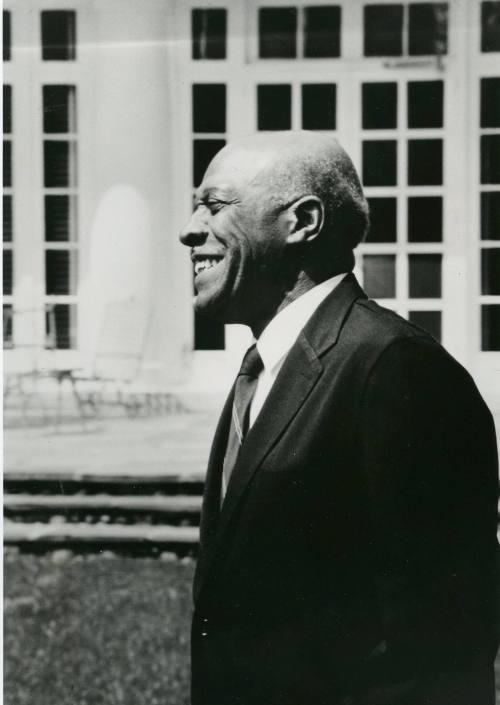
(209, 107)
(7, 109)
(383, 30)
(7, 218)
(425, 104)
(490, 327)
(425, 162)
(380, 163)
(60, 272)
(277, 32)
(60, 218)
(425, 276)
(490, 216)
(322, 31)
(380, 105)
(7, 272)
(383, 219)
(490, 159)
(203, 153)
(428, 320)
(208, 32)
(274, 107)
(379, 276)
(6, 35)
(318, 106)
(59, 163)
(7, 326)
(7, 163)
(490, 102)
(490, 271)
(425, 219)
(428, 28)
(58, 35)
(490, 26)
(59, 109)
(60, 326)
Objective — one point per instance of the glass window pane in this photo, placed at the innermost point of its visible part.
(490, 26)
(60, 326)
(7, 109)
(383, 30)
(60, 218)
(209, 107)
(274, 107)
(490, 271)
(379, 276)
(322, 31)
(428, 29)
(7, 163)
(59, 109)
(428, 320)
(380, 163)
(425, 104)
(58, 35)
(425, 276)
(208, 32)
(319, 106)
(490, 216)
(277, 32)
(383, 219)
(7, 326)
(380, 105)
(490, 327)
(60, 272)
(59, 163)
(203, 153)
(490, 159)
(6, 35)
(425, 162)
(7, 272)
(208, 335)
(425, 219)
(7, 218)
(490, 102)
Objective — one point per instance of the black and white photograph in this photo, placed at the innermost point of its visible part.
(251, 352)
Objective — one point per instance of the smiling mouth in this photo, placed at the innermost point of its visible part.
(203, 264)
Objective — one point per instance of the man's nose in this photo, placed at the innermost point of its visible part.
(195, 232)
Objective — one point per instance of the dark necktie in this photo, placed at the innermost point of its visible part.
(246, 382)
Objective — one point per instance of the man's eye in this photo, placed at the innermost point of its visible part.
(214, 206)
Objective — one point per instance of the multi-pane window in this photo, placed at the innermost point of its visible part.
(317, 106)
(8, 254)
(489, 121)
(402, 172)
(490, 26)
(58, 35)
(60, 212)
(6, 35)
(208, 33)
(310, 32)
(414, 29)
(209, 136)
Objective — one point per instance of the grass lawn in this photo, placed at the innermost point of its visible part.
(96, 630)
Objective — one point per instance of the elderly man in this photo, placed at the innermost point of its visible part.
(348, 534)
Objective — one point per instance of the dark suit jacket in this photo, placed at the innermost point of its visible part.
(354, 557)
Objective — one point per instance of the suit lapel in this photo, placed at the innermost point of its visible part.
(297, 378)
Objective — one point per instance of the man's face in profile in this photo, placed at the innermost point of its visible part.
(236, 238)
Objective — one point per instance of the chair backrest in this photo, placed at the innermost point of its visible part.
(122, 339)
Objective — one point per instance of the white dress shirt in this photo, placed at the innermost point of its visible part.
(280, 334)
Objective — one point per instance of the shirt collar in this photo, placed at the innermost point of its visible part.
(283, 330)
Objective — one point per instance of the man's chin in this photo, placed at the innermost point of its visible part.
(217, 311)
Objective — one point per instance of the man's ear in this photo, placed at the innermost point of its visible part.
(306, 220)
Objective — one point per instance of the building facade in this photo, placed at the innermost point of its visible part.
(113, 109)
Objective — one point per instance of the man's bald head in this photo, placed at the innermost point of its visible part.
(287, 166)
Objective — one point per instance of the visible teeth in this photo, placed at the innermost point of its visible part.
(203, 264)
